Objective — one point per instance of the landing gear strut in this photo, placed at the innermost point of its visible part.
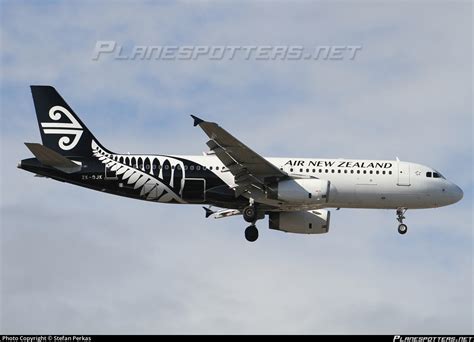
(402, 228)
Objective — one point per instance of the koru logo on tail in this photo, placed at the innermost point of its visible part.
(67, 129)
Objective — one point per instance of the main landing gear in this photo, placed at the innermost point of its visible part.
(251, 233)
(250, 215)
(402, 228)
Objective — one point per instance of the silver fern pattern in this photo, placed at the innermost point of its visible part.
(145, 173)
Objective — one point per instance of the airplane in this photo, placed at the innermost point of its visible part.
(295, 193)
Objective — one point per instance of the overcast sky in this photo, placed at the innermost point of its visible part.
(78, 261)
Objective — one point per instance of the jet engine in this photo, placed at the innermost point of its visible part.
(301, 222)
(301, 191)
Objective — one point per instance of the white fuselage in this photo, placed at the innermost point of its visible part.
(378, 184)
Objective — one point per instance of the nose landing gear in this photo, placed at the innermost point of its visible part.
(402, 228)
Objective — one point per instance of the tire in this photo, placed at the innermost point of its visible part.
(251, 233)
(250, 214)
(402, 228)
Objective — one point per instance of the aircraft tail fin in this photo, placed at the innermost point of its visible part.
(61, 129)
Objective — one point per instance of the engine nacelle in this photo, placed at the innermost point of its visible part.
(301, 222)
(302, 191)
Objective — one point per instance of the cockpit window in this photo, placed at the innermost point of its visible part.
(436, 174)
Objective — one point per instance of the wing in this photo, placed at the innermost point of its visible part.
(251, 171)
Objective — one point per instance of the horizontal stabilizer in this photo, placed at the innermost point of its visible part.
(51, 158)
(221, 213)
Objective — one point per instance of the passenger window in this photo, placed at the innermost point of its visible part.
(198, 168)
(352, 171)
(428, 174)
(371, 172)
(364, 172)
(291, 170)
(377, 172)
(358, 171)
(327, 170)
(314, 171)
(320, 171)
(383, 172)
(389, 172)
(339, 171)
(332, 171)
(301, 170)
(217, 167)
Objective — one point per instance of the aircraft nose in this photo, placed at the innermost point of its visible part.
(456, 193)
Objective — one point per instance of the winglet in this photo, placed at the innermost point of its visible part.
(197, 121)
(209, 212)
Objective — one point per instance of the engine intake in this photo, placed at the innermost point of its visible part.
(301, 222)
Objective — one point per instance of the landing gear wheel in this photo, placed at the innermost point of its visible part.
(250, 214)
(402, 228)
(251, 233)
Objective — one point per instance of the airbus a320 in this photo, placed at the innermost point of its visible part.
(295, 193)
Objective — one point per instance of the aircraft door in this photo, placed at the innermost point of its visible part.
(194, 190)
